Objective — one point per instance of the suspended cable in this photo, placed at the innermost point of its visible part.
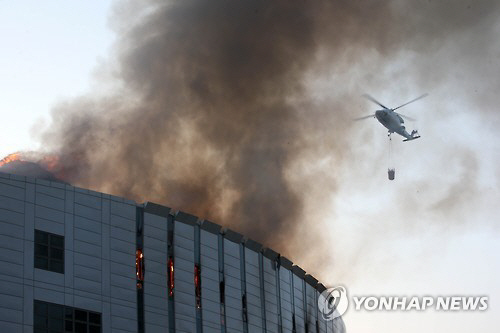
(390, 170)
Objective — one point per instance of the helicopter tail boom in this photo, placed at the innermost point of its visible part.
(414, 135)
(412, 138)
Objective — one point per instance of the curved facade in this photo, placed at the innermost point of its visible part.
(127, 267)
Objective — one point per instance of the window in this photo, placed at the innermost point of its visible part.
(244, 308)
(197, 285)
(139, 268)
(222, 292)
(49, 251)
(50, 317)
(170, 273)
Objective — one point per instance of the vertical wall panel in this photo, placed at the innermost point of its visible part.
(122, 225)
(254, 301)
(321, 322)
(311, 307)
(270, 295)
(210, 297)
(155, 277)
(286, 301)
(184, 299)
(298, 296)
(12, 255)
(232, 277)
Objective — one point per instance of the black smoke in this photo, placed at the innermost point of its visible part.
(205, 119)
(212, 106)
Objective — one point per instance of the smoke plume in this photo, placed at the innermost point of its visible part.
(207, 117)
(239, 111)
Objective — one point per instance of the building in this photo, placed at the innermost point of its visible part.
(76, 260)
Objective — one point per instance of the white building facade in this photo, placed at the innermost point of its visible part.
(75, 260)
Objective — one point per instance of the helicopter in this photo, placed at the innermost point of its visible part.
(392, 120)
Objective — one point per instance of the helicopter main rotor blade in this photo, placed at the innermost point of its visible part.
(368, 97)
(413, 100)
(406, 117)
(365, 117)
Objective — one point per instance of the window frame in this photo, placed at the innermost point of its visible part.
(52, 243)
(68, 317)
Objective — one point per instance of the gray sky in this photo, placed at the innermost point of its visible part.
(432, 231)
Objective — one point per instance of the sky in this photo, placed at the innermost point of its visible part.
(36, 70)
(434, 230)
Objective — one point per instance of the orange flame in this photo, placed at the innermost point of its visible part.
(10, 158)
(50, 162)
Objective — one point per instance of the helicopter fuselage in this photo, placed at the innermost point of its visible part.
(393, 122)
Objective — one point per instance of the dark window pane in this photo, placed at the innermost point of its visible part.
(57, 318)
(41, 250)
(56, 324)
(69, 326)
(80, 328)
(56, 266)
(49, 251)
(95, 318)
(81, 315)
(56, 254)
(41, 237)
(42, 263)
(68, 313)
(56, 311)
(40, 321)
(57, 241)
(95, 329)
(41, 308)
